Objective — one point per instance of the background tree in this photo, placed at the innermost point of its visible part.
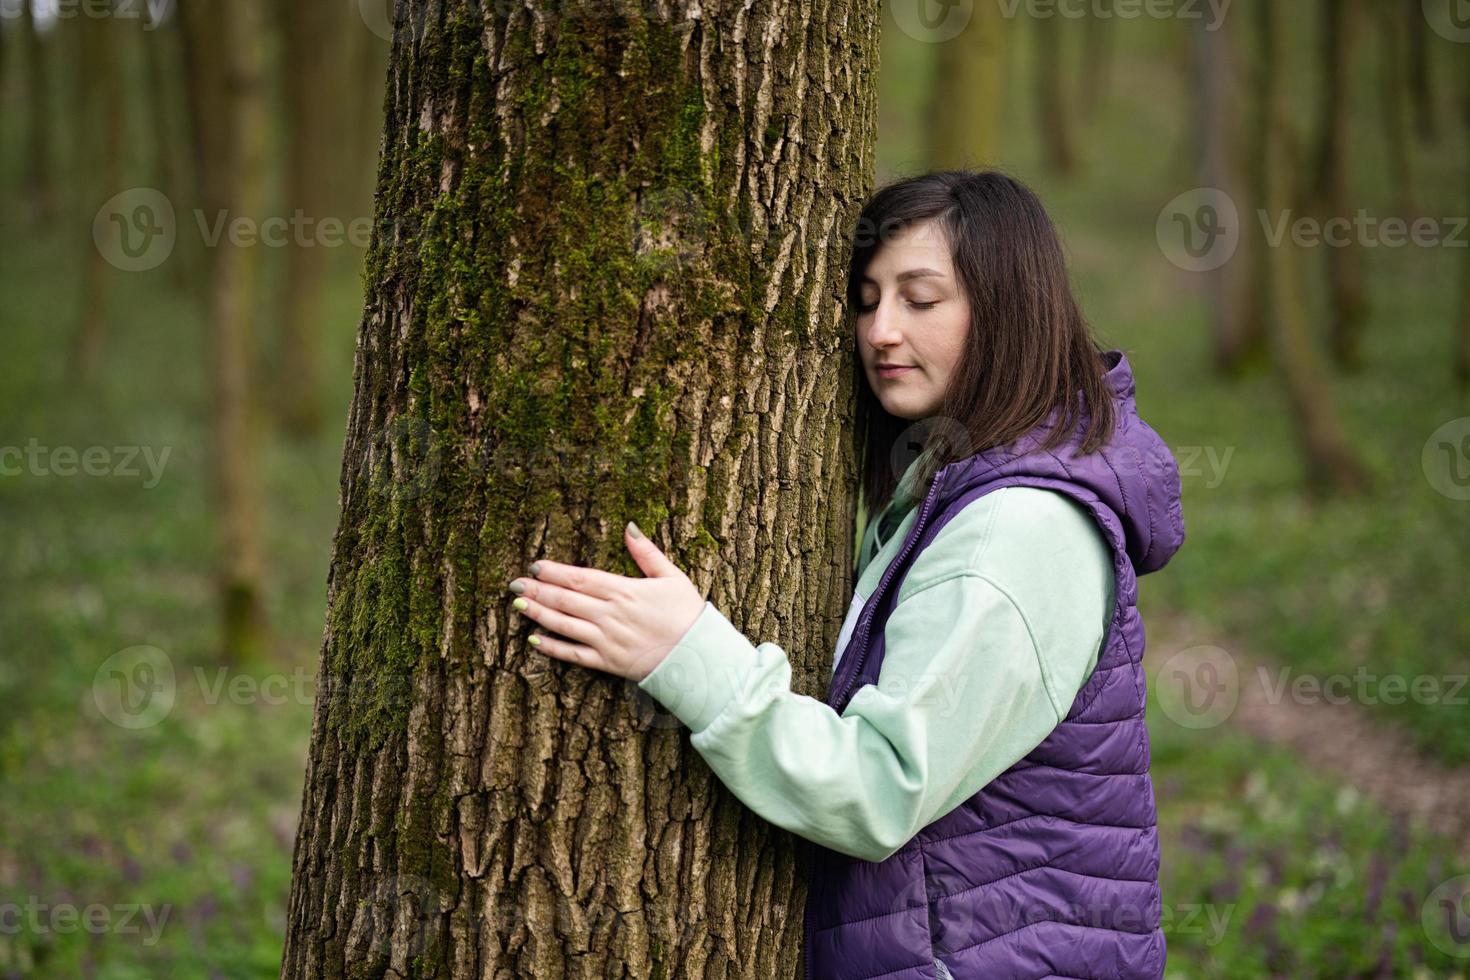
(968, 93)
(1235, 308)
(40, 180)
(1327, 456)
(1463, 360)
(99, 101)
(1392, 88)
(605, 284)
(1052, 103)
(1333, 184)
(225, 47)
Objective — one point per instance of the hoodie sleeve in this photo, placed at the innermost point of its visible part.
(965, 690)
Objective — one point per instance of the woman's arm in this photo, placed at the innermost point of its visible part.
(984, 655)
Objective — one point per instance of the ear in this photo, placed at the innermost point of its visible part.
(647, 554)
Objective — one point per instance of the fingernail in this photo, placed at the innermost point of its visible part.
(518, 586)
(520, 604)
(633, 530)
(535, 641)
(536, 568)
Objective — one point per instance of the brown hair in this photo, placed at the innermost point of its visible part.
(1029, 353)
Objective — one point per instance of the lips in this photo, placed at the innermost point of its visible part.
(894, 370)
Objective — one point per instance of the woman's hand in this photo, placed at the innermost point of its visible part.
(625, 626)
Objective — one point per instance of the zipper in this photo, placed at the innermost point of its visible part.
(860, 632)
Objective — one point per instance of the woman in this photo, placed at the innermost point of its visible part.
(975, 783)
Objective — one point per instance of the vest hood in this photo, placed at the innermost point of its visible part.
(1133, 473)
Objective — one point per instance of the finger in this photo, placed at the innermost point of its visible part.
(578, 578)
(575, 653)
(570, 626)
(647, 554)
(572, 603)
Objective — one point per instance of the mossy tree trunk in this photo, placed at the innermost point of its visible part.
(605, 284)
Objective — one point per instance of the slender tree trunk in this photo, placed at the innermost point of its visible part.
(40, 180)
(102, 134)
(1233, 292)
(1421, 69)
(161, 65)
(315, 39)
(1097, 57)
(1328, 457)
(1348, 301)
(605, 284)
(1391, 90)
(225, 53)
(1058, 143)
(1463, 360)
(968, 94)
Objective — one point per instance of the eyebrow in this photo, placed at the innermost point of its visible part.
(910, 274)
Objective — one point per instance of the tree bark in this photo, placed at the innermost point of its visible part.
(605, 284)
(224, 40)
(1232, 291)
(1330, 463)
(968, 93)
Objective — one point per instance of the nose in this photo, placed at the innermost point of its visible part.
(883, 327)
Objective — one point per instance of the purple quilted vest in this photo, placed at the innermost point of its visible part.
(1052, 868)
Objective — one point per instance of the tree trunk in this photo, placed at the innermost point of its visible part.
(605, 284)
(1232, 292)
(1391, 90)
(315, 40)
(1097, 56)
(100, 105)
(1348, 301)
(161, 64)
(224, 41)
(1330, 463)
(966, 98)
(1058, 144)
(40, 180)
(1463, 360)
(1421, 69)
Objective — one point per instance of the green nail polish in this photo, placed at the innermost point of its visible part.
(535, 641)
(535, 568)
(633, 530)
(518, 586)
(520, 603)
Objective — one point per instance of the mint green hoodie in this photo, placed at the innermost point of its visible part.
(998, 624)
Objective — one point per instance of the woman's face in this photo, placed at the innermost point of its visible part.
(912, 312)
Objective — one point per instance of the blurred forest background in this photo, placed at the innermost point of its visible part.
(172, 408)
